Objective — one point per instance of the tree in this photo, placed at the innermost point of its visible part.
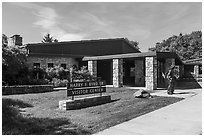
(14, 69)
(4, 40)
(55, 40)
(188, 46)
(135, 44)
(48, 39)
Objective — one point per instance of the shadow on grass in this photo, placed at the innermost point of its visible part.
(14, 123)
(188, 85)
(18, 103)
(93, 105)
(185, 88)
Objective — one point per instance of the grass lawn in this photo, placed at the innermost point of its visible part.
(39, 113)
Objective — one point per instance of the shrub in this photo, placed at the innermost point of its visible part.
(57, 72)
(38, 82)
(59, 76)
(13, 64)
(59, 83)
(37, 73)
(83, 75)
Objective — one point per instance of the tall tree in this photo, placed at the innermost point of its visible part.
(135, 44)
(55, 40)
(188, 46)
(4, 40)
(48, 39)
(13, 63)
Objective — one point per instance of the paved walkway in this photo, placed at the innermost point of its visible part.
(181, 118)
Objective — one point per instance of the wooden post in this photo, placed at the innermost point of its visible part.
(71, 77)
(100, 88)
(37, 75)
(71, 73)
(72, 97)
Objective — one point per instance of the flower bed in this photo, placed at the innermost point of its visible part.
(26, 89)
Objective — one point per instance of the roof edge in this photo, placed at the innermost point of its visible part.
(64, 42)
(120, 56)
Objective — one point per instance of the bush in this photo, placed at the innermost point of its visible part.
(83, 75)
(26, 89)
(37, 73)
(38, 82)
(13, 64)
(57, 72)
(59, 83)
(59, 76)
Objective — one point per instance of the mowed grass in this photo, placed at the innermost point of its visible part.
(39, 113)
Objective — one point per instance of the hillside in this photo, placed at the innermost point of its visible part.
(188, 46)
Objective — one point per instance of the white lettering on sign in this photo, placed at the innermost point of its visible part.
(78, 92)
(95, 90)
(93, 84)
(76, 85)
(82, 88)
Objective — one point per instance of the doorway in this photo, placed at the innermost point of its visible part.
(161, 82)
(105, 71)
(129, 72)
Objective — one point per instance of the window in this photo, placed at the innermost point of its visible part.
(132, 72)
(50, 65)
(36, 65)
(63, 65)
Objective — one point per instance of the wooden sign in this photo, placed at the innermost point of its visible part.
(83, 91)
(74, 85)
(82, 88)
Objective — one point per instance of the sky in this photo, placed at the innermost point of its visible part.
(147, 23)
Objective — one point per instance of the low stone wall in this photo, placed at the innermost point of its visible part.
(26, 89)
(83, 102)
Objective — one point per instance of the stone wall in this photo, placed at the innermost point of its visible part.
(83, 102)
(196, 70)
(26, 89)
(151, 73)
(92, 67)
(139, 73)
(57, 61)
(117, 72)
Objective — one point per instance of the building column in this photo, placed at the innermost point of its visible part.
(117, 72)
(151, 73)
(196, 70)
(92, 67)
(139, 73)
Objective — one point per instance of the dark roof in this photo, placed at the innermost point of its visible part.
(83, 48)
(55, 55)
(193, 61)
(15, 36)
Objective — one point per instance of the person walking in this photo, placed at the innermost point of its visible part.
(171, 77)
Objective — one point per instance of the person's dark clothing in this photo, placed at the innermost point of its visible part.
(171, 81)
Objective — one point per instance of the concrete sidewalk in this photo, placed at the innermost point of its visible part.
(181, 118)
